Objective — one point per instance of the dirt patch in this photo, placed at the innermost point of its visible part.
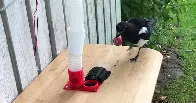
(170, 70)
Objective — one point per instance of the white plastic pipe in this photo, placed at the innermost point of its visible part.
(76, 35)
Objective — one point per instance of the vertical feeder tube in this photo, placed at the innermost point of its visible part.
(76, 36)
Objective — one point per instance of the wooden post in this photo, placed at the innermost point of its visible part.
(91, 21)
(107, 14)
(7, 81)
(43, 39)
(56, 16)
(21, 40)
(100, 20)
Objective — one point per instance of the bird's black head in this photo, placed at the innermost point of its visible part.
(121, 28)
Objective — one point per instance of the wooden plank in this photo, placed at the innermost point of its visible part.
(8, 87)
(58, 25)
(44, 47)
(126, 84)
(91, 21)
(31, 26)
(118, 11)
(108, 31)
(66, 13)
(87, 40)
(22, 42)
(113, 17)
(100, 21)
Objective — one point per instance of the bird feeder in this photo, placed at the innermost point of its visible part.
(76, 36)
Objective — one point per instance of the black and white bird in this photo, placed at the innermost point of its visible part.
(137, 31)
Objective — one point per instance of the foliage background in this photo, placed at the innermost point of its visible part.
(157, 9)
(175, 28)
(164, 12)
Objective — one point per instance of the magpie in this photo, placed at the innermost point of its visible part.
(136, 31)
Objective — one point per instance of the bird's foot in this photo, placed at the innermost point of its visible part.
(133, 60)
(136, 57)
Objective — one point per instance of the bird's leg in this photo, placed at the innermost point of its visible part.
(129, 48)
(135, 58)
(123, 43)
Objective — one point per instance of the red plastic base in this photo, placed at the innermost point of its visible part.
(76, 82)
(91, 85)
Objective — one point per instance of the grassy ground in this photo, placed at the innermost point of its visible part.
(183, 39)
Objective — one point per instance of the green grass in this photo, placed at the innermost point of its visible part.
(183, 39)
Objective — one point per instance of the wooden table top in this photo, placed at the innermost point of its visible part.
(129, 82)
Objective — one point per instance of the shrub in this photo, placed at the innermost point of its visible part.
(157, 9)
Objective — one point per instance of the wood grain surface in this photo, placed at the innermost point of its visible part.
(130, 82)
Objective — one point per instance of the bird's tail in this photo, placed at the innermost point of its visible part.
(151, 24)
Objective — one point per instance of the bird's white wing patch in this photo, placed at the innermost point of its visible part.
(141, 42)
(143, 30)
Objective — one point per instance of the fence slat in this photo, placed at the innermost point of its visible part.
(113, 17)
(67, 13)
(44, 47)
(100, 21)
(91, 21)
(107, 21)
(7, 82)
(58, 25)
(118, 11)
(87, 41)
(22, 42)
